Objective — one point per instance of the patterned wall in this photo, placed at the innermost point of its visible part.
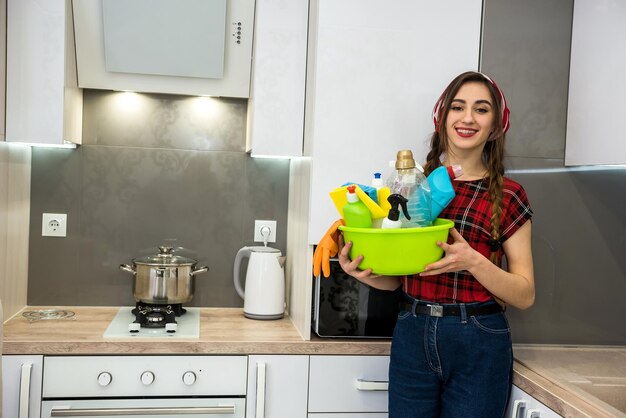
(152, 170)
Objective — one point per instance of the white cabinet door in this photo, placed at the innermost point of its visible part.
(277, 386)
(3, 66)
(595, 84)
(348, 384)
(374, 74)
(276, 104)
(522, 405)
(21, 386)
(43, 102)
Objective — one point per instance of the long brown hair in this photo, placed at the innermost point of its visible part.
(492, 156)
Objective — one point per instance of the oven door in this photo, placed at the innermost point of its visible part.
(344, 307)
(146, 407)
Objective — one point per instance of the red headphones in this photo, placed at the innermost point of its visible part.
(438, 109)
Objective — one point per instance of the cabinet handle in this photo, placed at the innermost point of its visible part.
(25, 389)
(260, 390)
(112, 412)
(518, 406)
(533, 413)
(371, 385)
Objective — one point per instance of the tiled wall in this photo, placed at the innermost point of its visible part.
(152, 170)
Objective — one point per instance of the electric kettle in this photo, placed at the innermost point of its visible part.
(264, 296)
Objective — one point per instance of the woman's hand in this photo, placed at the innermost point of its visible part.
(458, 256)
(351, 267)
(366, 276)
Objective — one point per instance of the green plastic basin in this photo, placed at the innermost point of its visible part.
(397, 252)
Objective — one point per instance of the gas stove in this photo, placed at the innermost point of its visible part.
(155, 321)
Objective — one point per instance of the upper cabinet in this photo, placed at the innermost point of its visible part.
(276, 104)
(596, 84)
(43, 101)
(3, 67)
(192, 47)
(374, 74)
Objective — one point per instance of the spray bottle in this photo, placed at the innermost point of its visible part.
(355, 213)
(441, 188)
(392, 220)
(410, 182)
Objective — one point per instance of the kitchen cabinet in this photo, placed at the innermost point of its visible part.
(348, 385)
(360, 415)
(43, 101)
(21, 386)
(522, 405)
(3, 63)
(374, 73)
(598, 31)
(277, 87)
(277, 386)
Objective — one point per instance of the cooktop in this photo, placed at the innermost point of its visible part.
(188, 326)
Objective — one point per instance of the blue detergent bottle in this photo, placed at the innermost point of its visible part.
(441, 188)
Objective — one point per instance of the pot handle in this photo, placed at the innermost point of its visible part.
(199, 270)
(128, 269)
(245, 252)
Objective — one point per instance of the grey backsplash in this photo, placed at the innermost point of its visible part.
(579, 233)
(153, 170)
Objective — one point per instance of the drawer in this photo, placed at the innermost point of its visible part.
(340, 384)
(349, 415)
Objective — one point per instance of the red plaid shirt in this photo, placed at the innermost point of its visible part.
(471, 212)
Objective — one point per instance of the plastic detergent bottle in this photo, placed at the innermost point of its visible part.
(393, 218)
(410, 182)
(382, 193)
(355, 213)
(441, 188)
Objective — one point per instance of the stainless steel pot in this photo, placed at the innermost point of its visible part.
(164, 278)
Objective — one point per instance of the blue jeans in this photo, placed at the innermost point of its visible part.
(450, 366)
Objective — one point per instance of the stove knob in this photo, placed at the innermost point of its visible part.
(189, 378)
(104, 378)
(147, 378)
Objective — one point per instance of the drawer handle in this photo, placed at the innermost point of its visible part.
(533, 413)
(518, 406)
(372, 385)
(260, 390)
(111, 412)
(25, 390)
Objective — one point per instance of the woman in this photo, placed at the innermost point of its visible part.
(451, 350)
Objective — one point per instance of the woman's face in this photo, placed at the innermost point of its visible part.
(470, 118)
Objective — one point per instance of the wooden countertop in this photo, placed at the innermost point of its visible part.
(227, 331)
(222, 331)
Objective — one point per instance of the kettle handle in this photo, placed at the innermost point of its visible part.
(241, 254)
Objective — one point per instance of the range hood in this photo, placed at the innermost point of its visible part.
(191, 47)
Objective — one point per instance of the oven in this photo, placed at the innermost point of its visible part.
(144, 386)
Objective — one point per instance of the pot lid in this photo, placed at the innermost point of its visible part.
(165, 257)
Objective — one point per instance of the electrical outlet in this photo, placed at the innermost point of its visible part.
(54, 225)
(264, 231)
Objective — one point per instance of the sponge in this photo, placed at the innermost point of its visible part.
(339, 199)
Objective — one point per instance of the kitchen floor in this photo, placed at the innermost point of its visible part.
(597, 371)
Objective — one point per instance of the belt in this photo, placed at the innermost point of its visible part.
(449, 310)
